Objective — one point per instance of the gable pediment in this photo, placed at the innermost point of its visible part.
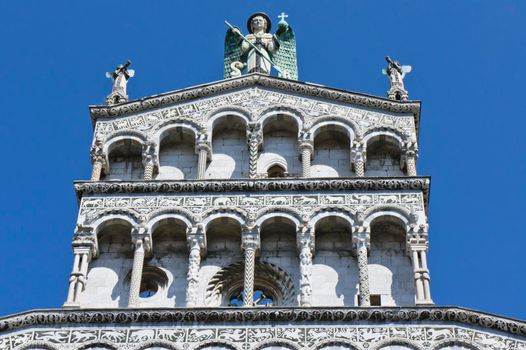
(255, 96)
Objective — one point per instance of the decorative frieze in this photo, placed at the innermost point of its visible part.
(421, 327)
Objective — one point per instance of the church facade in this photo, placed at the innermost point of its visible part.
(256, 212)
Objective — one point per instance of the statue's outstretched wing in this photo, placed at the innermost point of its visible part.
(285, 57)
(232, 52)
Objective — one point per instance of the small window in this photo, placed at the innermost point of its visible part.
(376, 300)
(261, 298)
(276, 171)
(148, 288)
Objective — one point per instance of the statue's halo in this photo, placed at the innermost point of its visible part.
(262, 14)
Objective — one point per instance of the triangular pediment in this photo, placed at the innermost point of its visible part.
(255, 95)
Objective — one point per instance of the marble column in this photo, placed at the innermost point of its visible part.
(306, 150)
(141, 244)
(306, 248)
(358, 158)
(203, 150)
(417, 249)
(361, 244)
(250, 245)
(97, 160)
(409, 157)
(149, 157)
(254, 139)
(195, 244)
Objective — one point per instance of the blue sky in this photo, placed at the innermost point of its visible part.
(468, 69)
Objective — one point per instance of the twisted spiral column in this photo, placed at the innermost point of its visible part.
(254, 138)
(248, 282)
(138, 263)
(201, 163)
(97, 159)
(361, 243)
(149, 155)
(194, 262)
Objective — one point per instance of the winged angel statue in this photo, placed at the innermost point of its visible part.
(396, 74)
(260, 51)
(120, 77)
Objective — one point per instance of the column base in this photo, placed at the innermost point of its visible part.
(424, 302)
(71, 305)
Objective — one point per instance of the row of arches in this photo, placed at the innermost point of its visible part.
(334, 267)
(229, 154)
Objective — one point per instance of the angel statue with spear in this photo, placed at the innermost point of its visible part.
(261, 51)
(396, 73)
(120, 77)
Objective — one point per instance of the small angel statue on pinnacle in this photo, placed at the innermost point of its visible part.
(120, 77)
(396, 74)
(260, 51)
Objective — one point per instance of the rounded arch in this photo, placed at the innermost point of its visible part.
(157, 343)
(164, 129)
(97, 344)
(216, 115)
(345, 124)
(155, 218)
(104, 217)
(213, 214)
(395, 134)
(125, 134)
(222, 344)
(274, 343)
(278, 212)
(324, 212)
(336, 343)
(36, 345)
(375, 212)
(229, 279)
(464, 344)
(276, 160)
(273, 111)
(384, 344)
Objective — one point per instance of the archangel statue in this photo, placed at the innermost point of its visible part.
(260, 51)
(120, 77)
(396, 74)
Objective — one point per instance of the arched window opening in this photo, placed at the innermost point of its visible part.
(331, 287)
(276, 171)
(383, 157)
(390, 269)
(278, 241)
(261, 298)
(280, 145)
(332, 152)
(153, 282)
(223, 239)
(272, 286)
(125, 161)
(106, 272)
(177, 157)
(230, 157)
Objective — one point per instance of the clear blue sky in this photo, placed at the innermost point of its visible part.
(468, 61)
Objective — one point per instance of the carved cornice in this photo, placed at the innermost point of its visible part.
(347, 315)
(256, 185)
(228, 85)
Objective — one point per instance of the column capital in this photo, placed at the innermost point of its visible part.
(195, 237)
(202, 143)
(141, 237)
(149, 153)
(254, 133)
(250, 238)
(97, 152)
(305, 237)
(84, 238)
(416, 241)
(358, 151)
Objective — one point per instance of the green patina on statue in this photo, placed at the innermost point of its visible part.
(260, 51)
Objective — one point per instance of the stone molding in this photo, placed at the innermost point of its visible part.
(286, 85)
(344, 315)
(253, 185)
